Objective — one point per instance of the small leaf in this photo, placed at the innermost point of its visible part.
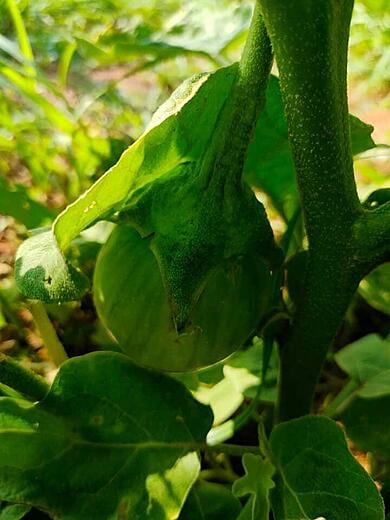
(110, 440)
(365, 358)
(257, 482)
(375, 288)
(318, 476)
(42, 273)
(361, 139)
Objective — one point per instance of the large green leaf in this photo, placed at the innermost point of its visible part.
(365, 408)
(170, 140)
(269, 166)
(318, 476)
(110, 440)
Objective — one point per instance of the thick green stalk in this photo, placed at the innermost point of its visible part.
(310, 41)
(225, 159)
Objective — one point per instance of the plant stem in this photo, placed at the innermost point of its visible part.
(23, 40)
(239, 116)
(218, 473)
(310, 41)
(343, 399)
(231, 449)
(14, 375)
(49, 337)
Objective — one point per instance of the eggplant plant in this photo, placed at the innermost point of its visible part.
(192, 275)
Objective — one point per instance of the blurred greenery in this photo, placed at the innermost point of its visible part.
(79, 81)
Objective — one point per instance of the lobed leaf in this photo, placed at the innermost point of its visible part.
(258, 483)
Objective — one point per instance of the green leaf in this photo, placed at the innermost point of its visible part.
(366, 358)
(318, 476)
(15, 202)
(209, 501)
(10, 47)
(42, 272)
(269, 166)
(170, 140)
(13, 512)
(375, 288)
(226, 386)
(257, 482)
(361, 139)
(110, 440)
(367, 424)
(364, 410)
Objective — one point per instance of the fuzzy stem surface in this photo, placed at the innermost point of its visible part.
(310, 41)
